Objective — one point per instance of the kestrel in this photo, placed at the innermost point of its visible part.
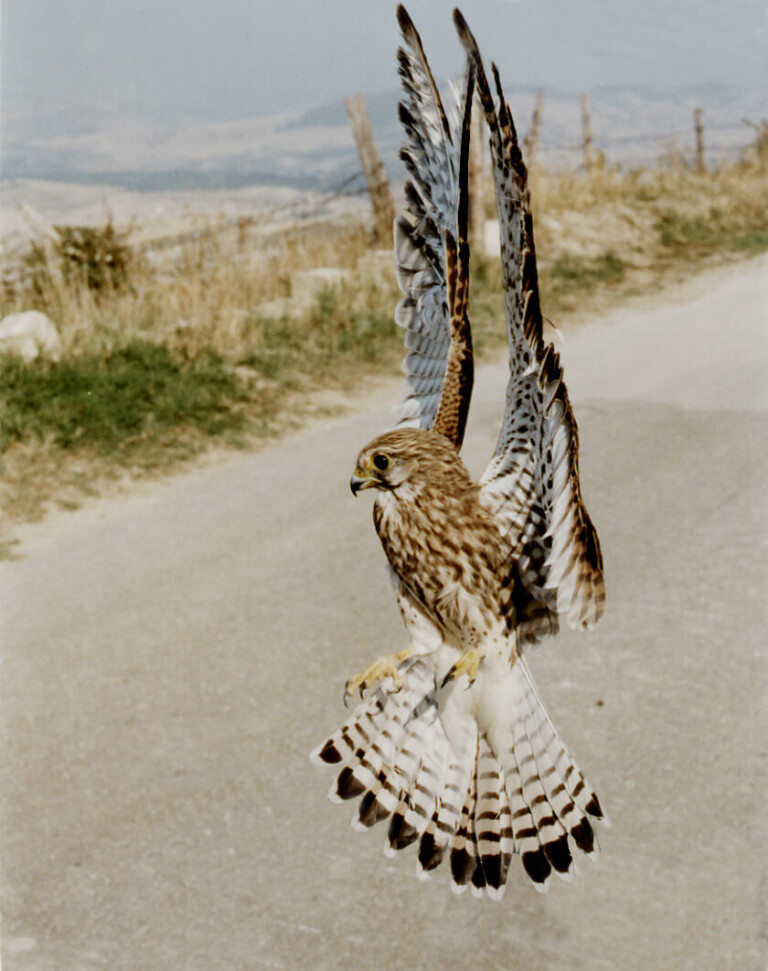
(453, 744)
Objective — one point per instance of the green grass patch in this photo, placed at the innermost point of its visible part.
(571, 275)
(338, 332)
(715, 231)
(105, 402)
(680, 231)
(754, 242)
(570, 270)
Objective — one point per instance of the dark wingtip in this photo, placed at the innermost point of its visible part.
(459, 22)
(404, 20)
(466, 36)
(497, 81)
(469, 44)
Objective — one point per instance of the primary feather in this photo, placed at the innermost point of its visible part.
(431, 252)
(532, 480)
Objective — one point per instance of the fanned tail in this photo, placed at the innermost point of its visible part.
(471, 775)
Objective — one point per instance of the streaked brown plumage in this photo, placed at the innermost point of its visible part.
(435, 533)
(453, 744)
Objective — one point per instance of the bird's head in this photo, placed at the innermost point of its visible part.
(405, 455)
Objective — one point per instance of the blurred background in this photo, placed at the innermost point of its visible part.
(131, 101)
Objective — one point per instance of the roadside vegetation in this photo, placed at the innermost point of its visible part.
(228, 338)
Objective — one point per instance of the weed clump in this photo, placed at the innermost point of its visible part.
(96, 258)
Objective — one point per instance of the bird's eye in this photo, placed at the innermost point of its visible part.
(381, 461)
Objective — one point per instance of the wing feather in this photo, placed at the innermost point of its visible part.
(431, 250)
(531, 483)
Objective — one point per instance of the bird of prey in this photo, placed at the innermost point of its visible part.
(453, 744)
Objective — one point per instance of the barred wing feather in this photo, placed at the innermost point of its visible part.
(430, 248)
(531, 483)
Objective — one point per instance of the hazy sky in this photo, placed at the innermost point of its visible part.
(252, 56)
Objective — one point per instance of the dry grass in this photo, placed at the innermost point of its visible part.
(242, 352)
(631, 230)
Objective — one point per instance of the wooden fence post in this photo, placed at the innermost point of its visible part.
(373, 167)
(586, 132)
(531, 139)
(698, 125)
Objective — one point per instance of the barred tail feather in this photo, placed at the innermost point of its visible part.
(471, 777)
(492, 819)
(551, 802)
(446, 818)
(464, 843)
(420, 765)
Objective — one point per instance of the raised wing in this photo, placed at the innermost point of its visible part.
(531, 483)
(431, 249)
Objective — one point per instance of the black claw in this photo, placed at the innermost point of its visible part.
(449, 677)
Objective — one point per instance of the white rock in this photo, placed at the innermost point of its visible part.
(29, 335)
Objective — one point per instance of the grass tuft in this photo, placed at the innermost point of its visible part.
(106, 402)
(571, 271)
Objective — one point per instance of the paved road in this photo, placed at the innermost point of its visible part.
(170, 659)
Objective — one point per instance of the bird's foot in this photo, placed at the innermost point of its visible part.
(468, 664)
(383, 667)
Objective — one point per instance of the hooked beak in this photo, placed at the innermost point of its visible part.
(360, 480)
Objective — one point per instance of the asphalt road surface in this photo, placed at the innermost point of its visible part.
(170, 659)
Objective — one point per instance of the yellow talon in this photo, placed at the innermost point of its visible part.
(468, 664)
(383, 667)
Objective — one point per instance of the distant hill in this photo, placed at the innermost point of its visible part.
(632, 125)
